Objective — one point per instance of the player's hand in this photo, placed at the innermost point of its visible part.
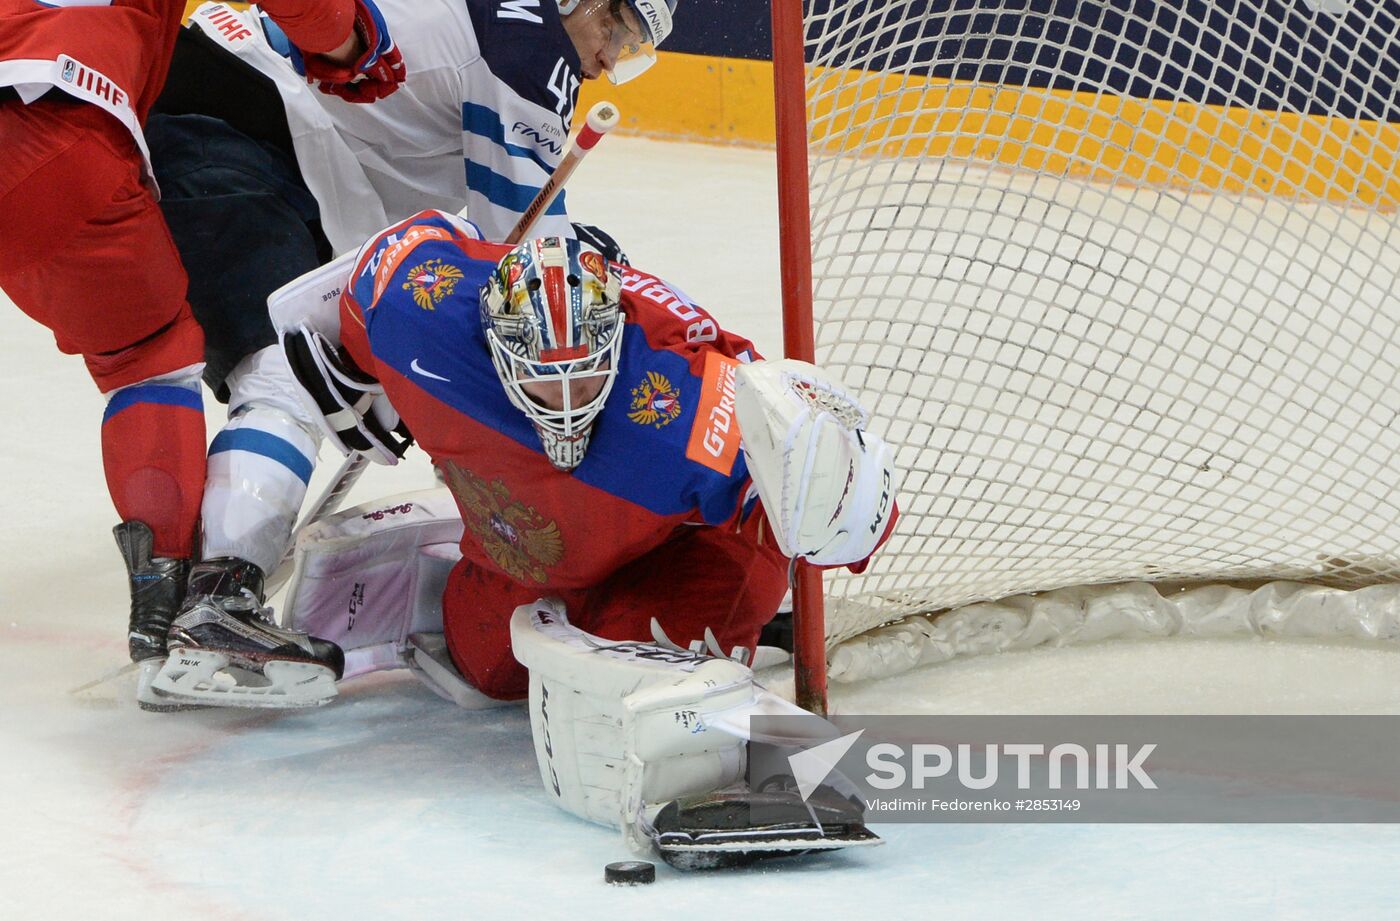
(373, 73)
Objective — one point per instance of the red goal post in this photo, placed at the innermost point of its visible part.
(795, 252)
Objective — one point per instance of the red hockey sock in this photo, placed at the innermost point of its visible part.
(153, 454)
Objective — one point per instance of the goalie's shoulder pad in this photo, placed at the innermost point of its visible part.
(312, 300)
(374, 266)
(827, 482)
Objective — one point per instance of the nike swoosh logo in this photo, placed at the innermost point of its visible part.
(417, 369)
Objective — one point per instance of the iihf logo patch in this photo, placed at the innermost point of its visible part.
(432, 281)
(655, 402)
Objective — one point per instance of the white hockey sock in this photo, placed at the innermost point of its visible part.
(259, 465)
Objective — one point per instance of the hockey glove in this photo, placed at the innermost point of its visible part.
(350, 406)
(375, 74)
(827, 482)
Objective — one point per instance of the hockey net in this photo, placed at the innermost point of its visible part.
(1120, 282)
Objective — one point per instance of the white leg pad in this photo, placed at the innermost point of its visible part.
(368, 577)
(620, 726)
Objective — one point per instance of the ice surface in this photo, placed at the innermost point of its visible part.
(393, 804)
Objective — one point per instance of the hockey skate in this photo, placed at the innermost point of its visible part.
(157, 587)
(225, 652)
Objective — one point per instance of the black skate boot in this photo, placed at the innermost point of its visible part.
(157, 588)
(226, 652)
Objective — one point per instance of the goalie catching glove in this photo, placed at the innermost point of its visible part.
(827, 483)
(652, 738)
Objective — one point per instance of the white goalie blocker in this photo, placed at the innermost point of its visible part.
(827, 482)
(351, 410)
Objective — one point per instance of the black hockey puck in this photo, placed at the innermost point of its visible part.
(630, 872)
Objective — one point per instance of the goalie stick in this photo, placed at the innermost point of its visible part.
(329, 502)
(602, 118)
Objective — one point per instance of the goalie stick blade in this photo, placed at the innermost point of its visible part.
(719, 855)
(719, 830)
(203, 677)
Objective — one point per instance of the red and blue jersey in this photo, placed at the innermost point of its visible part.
(664, 452)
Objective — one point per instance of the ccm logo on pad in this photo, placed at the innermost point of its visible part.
(714, 438)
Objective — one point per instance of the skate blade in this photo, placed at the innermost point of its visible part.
(208, 678)
(154, 700)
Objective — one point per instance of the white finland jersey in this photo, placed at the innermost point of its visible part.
(480, 122)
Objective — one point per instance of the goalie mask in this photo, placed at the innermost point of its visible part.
(551, 316)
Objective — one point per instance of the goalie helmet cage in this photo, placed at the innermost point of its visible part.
(1119, 280)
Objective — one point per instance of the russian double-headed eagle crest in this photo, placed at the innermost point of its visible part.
(432, 281)
(654, 401)
(514, 535)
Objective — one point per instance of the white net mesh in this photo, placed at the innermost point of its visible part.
(1120, 281)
